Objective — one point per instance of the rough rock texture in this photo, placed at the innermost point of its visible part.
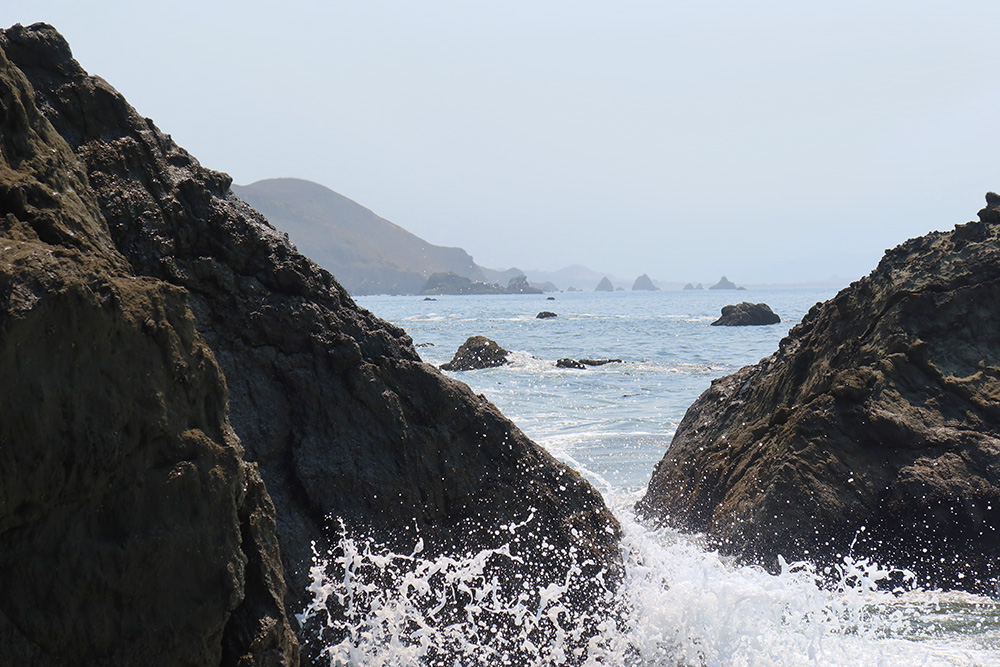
(333, 404)
(475, 353)
(604, 286)
(724, 283)
(644, 283)
(877, 420)
(746, 314)
(131, 529)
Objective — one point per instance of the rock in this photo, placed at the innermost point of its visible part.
(599, 362)
(519, 285)
(604, 286)
(545, 315)
(429, 298)
(332, 405)
(452, 283)
(688, 286)
(570, 363)
(550, 298)
(874, 429)
(476, 353)
(746, 314)
(724, 283)
(643, 283)
(133, 529)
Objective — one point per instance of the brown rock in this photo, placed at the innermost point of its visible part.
(873, 430)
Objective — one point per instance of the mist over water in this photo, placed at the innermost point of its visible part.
(680, 604)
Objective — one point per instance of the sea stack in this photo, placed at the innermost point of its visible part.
(194, 407)
(643, 283)
(604, 286)
(873, 431)
(724, 283)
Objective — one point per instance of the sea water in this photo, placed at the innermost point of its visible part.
(680, 603)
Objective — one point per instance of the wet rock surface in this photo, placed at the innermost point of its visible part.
(545, 315)
(476, 353)
(746, 314)
(874, 430)
(333, 405)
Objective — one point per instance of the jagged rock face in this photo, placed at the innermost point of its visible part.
(332, 403)
(131, 529)
(746, 314)
(876, 422)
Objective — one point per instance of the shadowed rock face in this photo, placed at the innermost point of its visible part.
(475, 353)
(876, 422)
(131, 529)
(333, 404)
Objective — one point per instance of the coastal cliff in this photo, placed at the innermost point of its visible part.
(873, 431)
(330, 404)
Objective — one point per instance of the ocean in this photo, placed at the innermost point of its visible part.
(685, 604)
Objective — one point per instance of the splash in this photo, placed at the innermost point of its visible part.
(678, 605)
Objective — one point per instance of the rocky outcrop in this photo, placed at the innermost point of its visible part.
(689, 286)
(476, 353)
(644, 283)
(452, 283)
(332, 405)
(873, 430)
(519, 285)
(604, 286)
(545, 315)
(131, 529)
(746, 314)
(724, 283)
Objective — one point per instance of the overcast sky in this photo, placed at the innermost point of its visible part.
(775, 141)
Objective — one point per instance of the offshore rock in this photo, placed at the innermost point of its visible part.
(570, 363)
(644, 283)
(545, 315)
(746, 314)
(519, 285)
(873, 430)
(333, 405)
(604, 286)
(131, 529)
(724, 283)
(476, 353)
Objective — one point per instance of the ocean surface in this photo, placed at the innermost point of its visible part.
(687, 606)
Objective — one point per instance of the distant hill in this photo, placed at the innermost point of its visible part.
(366, 253)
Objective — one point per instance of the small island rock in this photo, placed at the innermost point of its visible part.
(545, 315)
(746, 314)
(604, 286)
(643, 283)
(724, 283)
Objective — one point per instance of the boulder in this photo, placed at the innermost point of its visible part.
(476, 353)
(746, 314)
(604, 286)
(643, 283)
(332, 406)
(873, 431)
(545, 315)
(570, 363)
(724, 283)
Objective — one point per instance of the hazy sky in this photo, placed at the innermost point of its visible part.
(769, 141)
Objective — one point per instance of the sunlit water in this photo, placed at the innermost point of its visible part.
(680, 604)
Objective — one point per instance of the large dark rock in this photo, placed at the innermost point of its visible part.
(332, 404)
(131, 529)
(644, 283)
(746, 314)
(874, 427)
(476, 353)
